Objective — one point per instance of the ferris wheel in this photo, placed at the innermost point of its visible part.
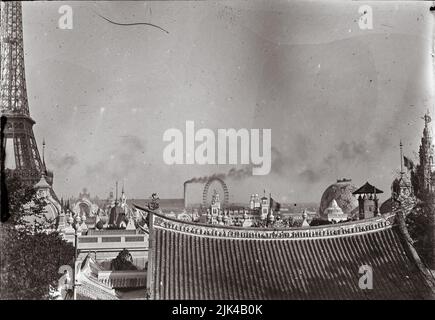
(226, 197)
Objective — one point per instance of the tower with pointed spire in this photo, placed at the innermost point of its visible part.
(426, 154)
(48, 173)
(19, 148)
(215, 203)
(264, 203)
(401, 187)
(123, 196)
(432, 232)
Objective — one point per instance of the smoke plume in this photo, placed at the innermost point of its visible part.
(233, 173)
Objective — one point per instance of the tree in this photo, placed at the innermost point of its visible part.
(31, 251)
(420, 220)
(19, 195)
(319, 222)
(419, 223)
(32, 264)
(124, 261)
(99, 225)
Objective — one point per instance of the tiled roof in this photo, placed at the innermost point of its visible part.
(89, 287)
(92, 290)
(367, 188)
(42, 183)
(194, 261)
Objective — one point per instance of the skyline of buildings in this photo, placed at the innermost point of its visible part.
(127, 247)
(108, 114)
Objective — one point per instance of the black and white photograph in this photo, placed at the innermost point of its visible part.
(224, 151)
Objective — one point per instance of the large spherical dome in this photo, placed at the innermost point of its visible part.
(342, 193)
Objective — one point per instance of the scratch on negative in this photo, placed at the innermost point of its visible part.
(132, 24)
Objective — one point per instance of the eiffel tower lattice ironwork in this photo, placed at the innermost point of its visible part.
(19, 149)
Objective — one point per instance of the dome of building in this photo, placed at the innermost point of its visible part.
(333, 208)
(341, 192)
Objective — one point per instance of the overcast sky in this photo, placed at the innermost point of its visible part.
(338, 99)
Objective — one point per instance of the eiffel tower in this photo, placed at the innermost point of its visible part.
(18, 145)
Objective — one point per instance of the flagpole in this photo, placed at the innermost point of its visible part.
(401, 158)
(376, 203)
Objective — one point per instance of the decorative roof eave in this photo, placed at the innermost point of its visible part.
(89, 286)
(94, 291)
(325, 231)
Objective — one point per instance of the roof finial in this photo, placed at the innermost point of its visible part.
(427, 118)
(116, 195)
(43, 154)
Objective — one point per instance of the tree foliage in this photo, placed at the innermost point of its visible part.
(31, 252)
(32, 263)
(25, 208)
(420, 223)
(319, 222)
(99, 225)
(124, 261)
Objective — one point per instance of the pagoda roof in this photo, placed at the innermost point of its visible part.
(199, 261)
(367, 188)
(42, 184)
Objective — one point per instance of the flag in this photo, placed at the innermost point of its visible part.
(274, 205)
(408, 163)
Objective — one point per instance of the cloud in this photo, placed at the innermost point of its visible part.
(311, 176)
(279, 161)
(133, 143)
(353, 150)
(344, 154)
(120, 162)
(65, 162)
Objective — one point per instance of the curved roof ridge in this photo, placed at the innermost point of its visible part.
(219, 232)
(89, 284)
(373, 220)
